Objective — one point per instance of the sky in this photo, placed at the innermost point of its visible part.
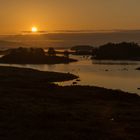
(21, 15)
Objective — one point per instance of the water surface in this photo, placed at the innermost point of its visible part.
(109, 74)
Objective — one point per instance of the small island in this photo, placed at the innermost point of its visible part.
(138, 68)
(34, 56)
(118, 51)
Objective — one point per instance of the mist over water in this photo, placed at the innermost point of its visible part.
(68, 39)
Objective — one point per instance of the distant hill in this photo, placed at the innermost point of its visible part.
(82, 48)
(9, 44)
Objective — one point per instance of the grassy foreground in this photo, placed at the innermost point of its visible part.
(33, 109)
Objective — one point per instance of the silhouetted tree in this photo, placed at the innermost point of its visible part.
(66, 53)
(51, 52)
(36, 51)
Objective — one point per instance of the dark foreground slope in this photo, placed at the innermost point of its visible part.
(9, 75)
(34, 110)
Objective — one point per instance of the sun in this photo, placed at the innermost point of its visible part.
(34, 29)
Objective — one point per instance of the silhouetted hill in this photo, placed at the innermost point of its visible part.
(119, 51)
(32, 56)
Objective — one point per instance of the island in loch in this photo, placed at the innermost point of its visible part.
(34, 56)
(117, 51)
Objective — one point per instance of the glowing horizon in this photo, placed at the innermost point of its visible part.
(34, 29)
(17, 16)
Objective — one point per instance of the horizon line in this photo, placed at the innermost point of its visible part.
(73, 31)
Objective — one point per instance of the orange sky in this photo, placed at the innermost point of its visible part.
(21, 15)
